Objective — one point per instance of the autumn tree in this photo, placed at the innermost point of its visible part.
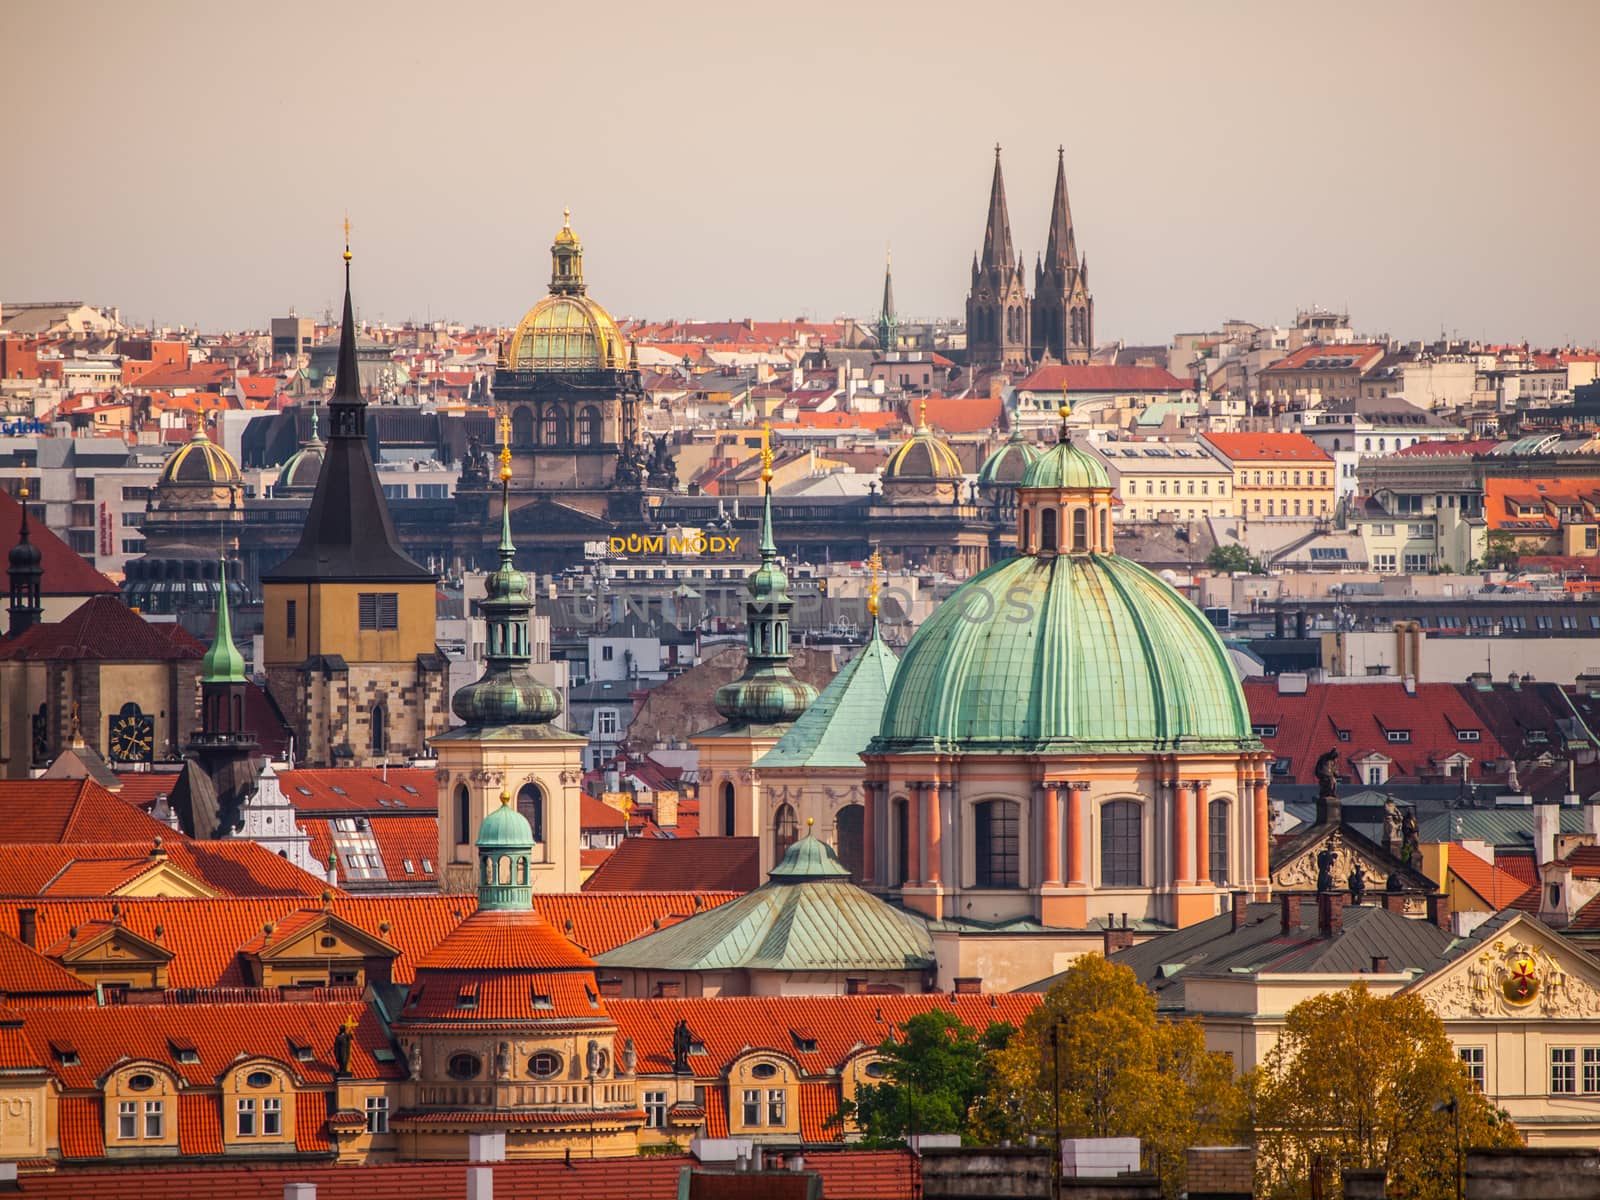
(934, 1067)
(1122, 1071)
(1358, 1080)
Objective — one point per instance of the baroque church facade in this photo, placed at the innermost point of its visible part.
(1007, 329)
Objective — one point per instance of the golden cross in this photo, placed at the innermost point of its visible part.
(505, 429)
(505, 448)
(766, 453)
(874, 565)
(922, 414)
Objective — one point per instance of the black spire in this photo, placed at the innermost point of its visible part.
(997, 250)
(1061, 249)
(25, 572)
(348, 533)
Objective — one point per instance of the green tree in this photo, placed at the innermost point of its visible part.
(933, 1071)
(1233, 558)
(1358, 1080)
(1123, 1072)
(1501, 553)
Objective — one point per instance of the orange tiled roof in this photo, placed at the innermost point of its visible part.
(70, 810)
(66, 572)
(1495, 887)
(505, 995)
(199, 1124)
(206, 935)
(311, 1123)
(26, 972)
(504, 941)
(79, 1127)
(731, 863)
(360, 789)
(968, 415)
(716, 1113)
(235, 867)
(597, 814)
(1267, 447)
(819, 1111)
(17, 1055)
(1365, 355)
(1102, 377)
(103, 629)
(400, 840)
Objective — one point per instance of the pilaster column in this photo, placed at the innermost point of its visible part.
(869, 832)
(1180, 835)
(932, 869)
(1202, 833)
(1077, 858)
(1263, 822)
(1051, 795)
(915, 854)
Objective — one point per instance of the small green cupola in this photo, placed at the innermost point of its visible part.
(1064, 500)
(222, 663)
(808, 860)
(505, 860)
(506, 694)
(767, 693)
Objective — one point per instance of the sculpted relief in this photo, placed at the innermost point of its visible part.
(1510, 977)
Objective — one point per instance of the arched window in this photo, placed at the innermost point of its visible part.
(530, 803)
(995, 849)
(380, 730)
(1080, 529)
(589, 426)
(1121, 844)
(847, 838)
(901, 816)
(785, 830)
(727, 810)
(522, 426)
(550, 432)
(463, 816)
(1217, 819)
(1047, 529)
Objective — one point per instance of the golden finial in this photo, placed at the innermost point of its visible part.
(349, 1025)
(922, 416)
(766, 453)
(874, 565)
(505, 447)
(23, 494)
(505, 796)
(566, 217)
(1066, 408)
(810, 821)
(347, 236)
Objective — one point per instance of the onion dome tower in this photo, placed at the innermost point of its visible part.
(1094, 718)
(504, 1016)
(220, 771)
(508, 735)
(1002, 471)
(25, 571)
(760, 705)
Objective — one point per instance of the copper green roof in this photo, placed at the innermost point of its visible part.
(840, 722)
(1065, 653)
(1066, 466)
(222, 663)
(805, 918)
(1008, 463)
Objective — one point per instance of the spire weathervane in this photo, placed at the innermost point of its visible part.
(505, 448)
(1065, 411)
(347, 235)
(874, 565)
(766, 455)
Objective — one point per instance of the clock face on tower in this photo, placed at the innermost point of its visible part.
(132, 736)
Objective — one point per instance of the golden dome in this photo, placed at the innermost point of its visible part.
(566, 331)
(923, 458)
(200, 460)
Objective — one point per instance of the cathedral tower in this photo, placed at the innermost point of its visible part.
(507, 743)
(888, 322)
(1063, 309)
(348, 617)
(998, 309)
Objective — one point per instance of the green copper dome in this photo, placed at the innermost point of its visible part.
(505, 829)
(1066, 466)
(1009, 462)
(1065, 653)
(222, 663)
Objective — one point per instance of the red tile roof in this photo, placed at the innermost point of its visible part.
(199, 1124)
(1267, 447)
(840, 1026)
(311, 1123)
(968, 415)
(819, 1112)
(1357, 718)
(597, 814)
(361, 789)
(504, 941)
(66, 573)
(1494, 886)
(1366, 354)
(24, 972)
(1446, 449)
(680, 864)
(400, 840)
(1097, 377)
(206, 935)
(235, 867)
(103, 628)
(716, 1113)
(79, 1128)
(71, 810)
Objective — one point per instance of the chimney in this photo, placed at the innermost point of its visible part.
(1380, 964)
(1289, 905)
(1439, 911)
(1117, 939)
(1241, 909)
(1591, 819)
(610, 985)
(1330, 913)
(1277, 624)
(28, 926)
(1300, 623)
(1395, 902)
(1546, 820)
(969, 985)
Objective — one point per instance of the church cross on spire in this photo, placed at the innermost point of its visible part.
(997, 249)
(1061, 247)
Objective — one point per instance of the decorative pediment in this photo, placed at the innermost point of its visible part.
(319, 937)
(1297, 870)
(108, 942)
(1521, 970)
(164, 879)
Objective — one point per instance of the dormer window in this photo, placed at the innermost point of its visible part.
(1399, 735)
(467, 997)
(1467, 735)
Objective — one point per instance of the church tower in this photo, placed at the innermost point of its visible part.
(998, 309)
(348, 617)
(888, 322)
(1063, 309)
(25, 573)
(758, 707)
(508, 744)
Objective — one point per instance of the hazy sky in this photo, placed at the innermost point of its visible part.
(1432, 166)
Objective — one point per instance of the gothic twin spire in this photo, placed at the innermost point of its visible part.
(1061, 247)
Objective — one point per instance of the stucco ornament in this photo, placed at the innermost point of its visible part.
(1512, 978)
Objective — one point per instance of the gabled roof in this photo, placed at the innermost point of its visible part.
(66, 573)
(1098, 377)
(1497, 888)
(843, 718)
(103, 628)
(25, 974)
(234, 867)
(1267, 447)
(680, 864)
(401, 840)
(1322, 357)
(408, 790)
(58, 811)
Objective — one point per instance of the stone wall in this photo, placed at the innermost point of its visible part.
(1555, 1174)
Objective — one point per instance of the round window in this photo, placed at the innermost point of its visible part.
(464, 1066)
(259, 1079)
(763, 1071)
(544, 1064)
(141, 1082)
(875, 1070)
